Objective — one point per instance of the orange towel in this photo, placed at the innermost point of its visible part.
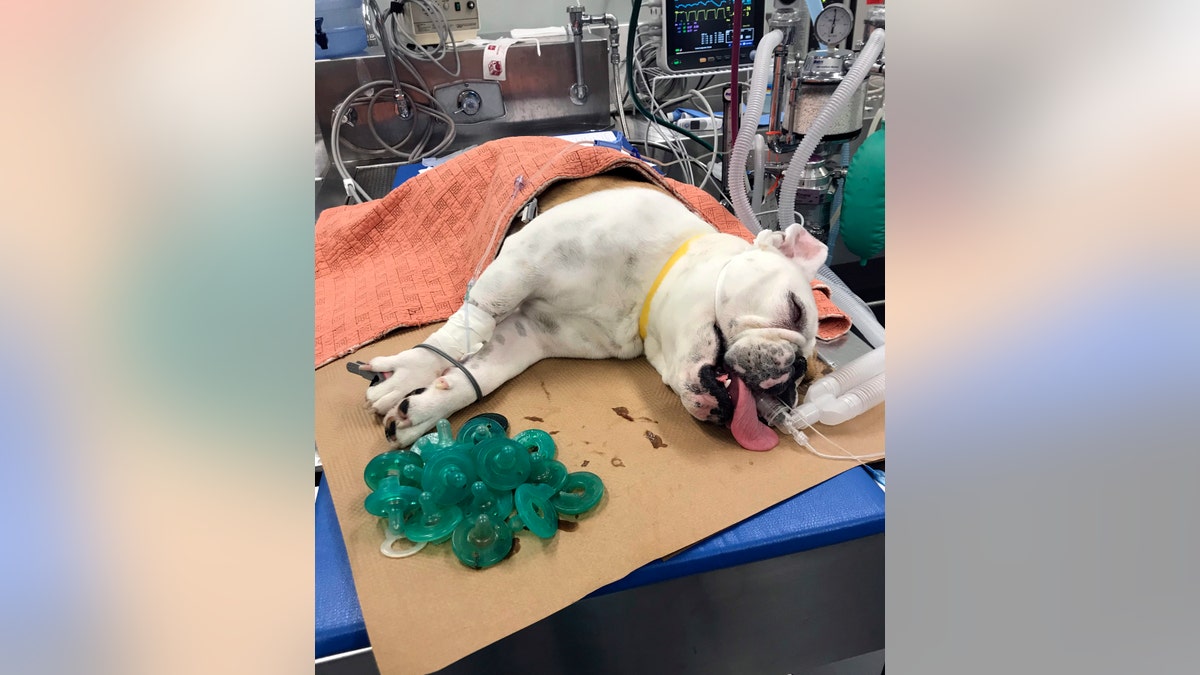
(405, 260)
(832, 322)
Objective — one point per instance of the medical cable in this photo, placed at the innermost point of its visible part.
(619, 99)
(457, 364)
(861, 459)
(637, 103)
(416, 51)
(353, 189)
(712, 162)
(788, 419)
(676, 145)
(688, 97)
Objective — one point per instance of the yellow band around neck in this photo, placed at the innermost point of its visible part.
(645, 317)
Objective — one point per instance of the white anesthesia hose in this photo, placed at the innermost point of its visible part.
(760, 163)
(854, 402)
(816, 131)
(860, 315)
(847, 377)
(759, 78)
(830, 411)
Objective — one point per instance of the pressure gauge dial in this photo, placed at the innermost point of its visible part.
(834, 24)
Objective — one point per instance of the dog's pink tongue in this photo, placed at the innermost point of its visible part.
(749, 432)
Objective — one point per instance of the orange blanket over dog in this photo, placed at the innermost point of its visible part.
(405, 260)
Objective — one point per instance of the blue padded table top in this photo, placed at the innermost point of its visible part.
(847, 506)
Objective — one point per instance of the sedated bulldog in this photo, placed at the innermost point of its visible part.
(617, 268)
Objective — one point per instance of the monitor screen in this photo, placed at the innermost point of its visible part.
(699, 33)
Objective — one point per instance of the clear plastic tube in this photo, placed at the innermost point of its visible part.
(847, 377)
(860, 315)
(816, 130)
(736, 179)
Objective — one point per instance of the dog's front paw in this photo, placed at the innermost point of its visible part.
(414, 416)
(418, 412)
(411, 370)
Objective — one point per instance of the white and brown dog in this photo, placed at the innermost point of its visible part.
(617, 268)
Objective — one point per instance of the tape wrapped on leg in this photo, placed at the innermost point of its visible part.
(465, 332)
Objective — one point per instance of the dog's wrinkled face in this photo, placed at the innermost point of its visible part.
(766, 325)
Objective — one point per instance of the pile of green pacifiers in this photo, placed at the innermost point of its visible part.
(477, 488)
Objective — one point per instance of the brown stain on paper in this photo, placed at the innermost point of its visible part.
(616, 461)
(515, 547)
(567, 525)
(623, 412)
(655, 439)
(531, 418)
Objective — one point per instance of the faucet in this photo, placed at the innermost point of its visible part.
(578, 19)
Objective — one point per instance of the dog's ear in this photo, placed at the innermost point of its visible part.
(804, 249)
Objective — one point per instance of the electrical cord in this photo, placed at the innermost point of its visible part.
(713, 161)
(408, 45)
(419, 97)
(353, 190)
(633, 22)
(675, 144)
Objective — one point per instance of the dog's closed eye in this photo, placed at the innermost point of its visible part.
(796, 311)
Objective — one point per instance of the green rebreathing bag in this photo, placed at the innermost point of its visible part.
(863, 221)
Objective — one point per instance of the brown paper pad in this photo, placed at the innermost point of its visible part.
(426, 611)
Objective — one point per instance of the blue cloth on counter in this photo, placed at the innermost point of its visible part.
(406, 171)
(339, 619)
(847, 506)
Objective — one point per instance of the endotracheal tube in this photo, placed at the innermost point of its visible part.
(830, 409)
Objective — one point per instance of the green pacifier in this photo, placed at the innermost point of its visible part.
(499, 503)
(478, 429)
(393, 501)
(534, 510)
(502, 463)
(540, 444)
(434, 443)
(482, 541)
(434, 523)
(579, 493)
(550, 472)
(448, 476)
(391, 463)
